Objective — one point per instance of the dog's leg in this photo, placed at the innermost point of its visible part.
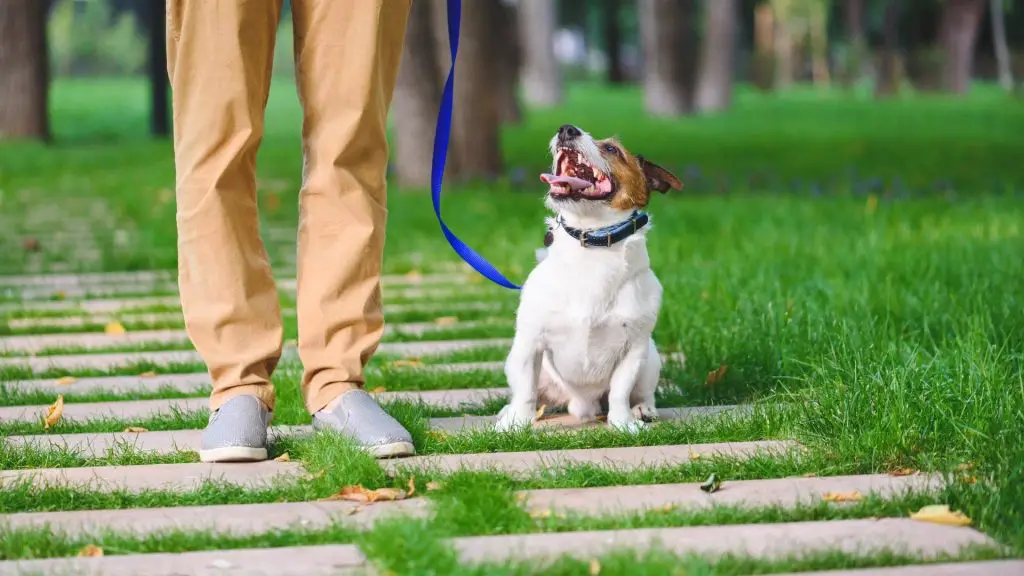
(642, 397)
(522, 370)
(624, 379)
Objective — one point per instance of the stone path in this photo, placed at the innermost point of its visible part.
(429, 294)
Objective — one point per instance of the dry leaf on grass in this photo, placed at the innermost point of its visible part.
(61, 295)
(965, 466)
(414, 277)
(446, 320)
(810, 475)
(594, 568)
(283, 458)
(360, 494)
(114, 329)
(406, 363)
(66, 381)
(54, 412)
(378, 390)
(437, 435)
(433, 486)
(854, 496)
(135, 429)
(540, 411)
(694, 455)
(540, 513)
(412, 487)
(30, 244)
(941, 514)
(149, 374)
(91, 551)
(716, 375)
(902, 472)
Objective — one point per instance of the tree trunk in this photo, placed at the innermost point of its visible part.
(477, 116)
(857, 40)
(958, 32)
(160, 121)
(764, 57)
(715, 78)
(24, 71)
(542, 80)
(888, 80)
(818, 32)
(1001, 46)
(507, 27)
(417, 99)
(613, 41)
(784, 43)
(666, 30)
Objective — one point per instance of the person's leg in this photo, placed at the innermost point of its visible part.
(219, 57)
(347, 56)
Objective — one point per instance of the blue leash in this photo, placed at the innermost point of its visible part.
(441, 137)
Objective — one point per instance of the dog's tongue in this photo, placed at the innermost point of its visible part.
(570, 181)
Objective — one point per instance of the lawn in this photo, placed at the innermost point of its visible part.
(857, 262)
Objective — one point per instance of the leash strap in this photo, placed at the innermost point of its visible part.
(441, 137)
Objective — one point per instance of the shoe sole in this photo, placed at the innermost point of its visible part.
(392, 450)
(233, 454)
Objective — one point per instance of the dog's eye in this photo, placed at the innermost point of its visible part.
(610, 149)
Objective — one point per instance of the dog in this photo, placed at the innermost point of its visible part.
(587, 311)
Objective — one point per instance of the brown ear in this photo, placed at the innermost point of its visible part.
(657, 177)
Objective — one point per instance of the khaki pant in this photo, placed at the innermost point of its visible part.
(219, 58)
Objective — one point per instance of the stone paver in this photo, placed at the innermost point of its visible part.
(128, 410)
(981, 568)
(195, 383)
(85, 279)
(176, 477)
(763, 541)
(255, 518)
(110, 361)
(785, 492)
(92, 306)
(172, 338)
(227, 518)
(331, 560)
(171, 441)
(98, 319)
(633, 458)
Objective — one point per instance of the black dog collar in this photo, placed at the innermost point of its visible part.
(607, 236)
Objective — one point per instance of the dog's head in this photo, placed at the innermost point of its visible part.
(596, 177)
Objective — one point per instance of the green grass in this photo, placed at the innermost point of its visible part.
(857, 262)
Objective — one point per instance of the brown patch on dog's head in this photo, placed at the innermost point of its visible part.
(586, 169)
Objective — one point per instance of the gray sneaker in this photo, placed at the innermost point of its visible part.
(359, 417)
(237, 432)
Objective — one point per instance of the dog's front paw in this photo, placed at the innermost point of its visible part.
(645, 412)
(626, 423)
(511, 417)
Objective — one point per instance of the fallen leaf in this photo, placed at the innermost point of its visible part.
(433, 486)
(965, 466)
(319, 474)
(902, 472)
(414, 277)
(66, 381)
(360, 494)
(854, 496)
(522, 497)
(135, 429)
(694, 455)
(539, 513)
(941, 514)
(114, 329)
(91, 551)
(379, 389)
(712, 484)
(54, 412)
(716, 375)
(149, 374)
(540, 411)
(406, 363)
(273, 202)
(412, 487)
(595, 567)
(30, 244)
(810, 475)
(438, 435)
(283, 458)
(60, 295)
(872, 204)
(668, 507)
(971, 479)
(446, 320)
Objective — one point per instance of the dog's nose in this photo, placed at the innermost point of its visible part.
(569, 132)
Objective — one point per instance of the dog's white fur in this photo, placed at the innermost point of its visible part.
(585, 319)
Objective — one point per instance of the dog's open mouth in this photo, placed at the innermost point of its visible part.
(575, 178)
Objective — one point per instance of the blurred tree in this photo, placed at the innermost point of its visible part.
(477, 115)
(507, 25)
(24, 71)
(612, 31)
(1002, 49)
(542, 79)
(958, 33)
(717, 57)
(856, 39)
(763, 70)
(417, 99)
(784, 44)
(667, 35)
(889, 75)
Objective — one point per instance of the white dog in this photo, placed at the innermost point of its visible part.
(587, 311)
